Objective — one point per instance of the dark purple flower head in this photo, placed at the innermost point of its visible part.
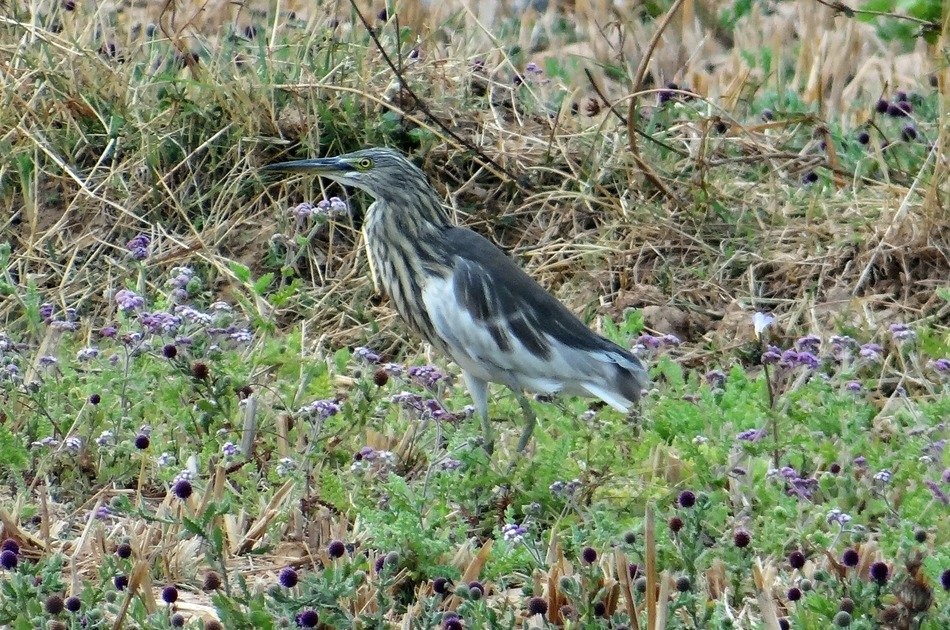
(212, 581)
(880, 573)
(73, 604)
(796, 559)
(649, 342)
(945, 579)
(336, 549)
(881, 106)
(453, 623)
(182, 489)
(676, 524)
(170, 594)
(864, 137)
(537, 606)
(589, 555)
(854, 387)
(475, 585)
(121, 582)
(54, 605)
(810, 177)
(683, 584)
(441, 585)
(768, 115)
(687, 499)
(178, 620)
(141, 441)
(170, 351)
(379, 564)
(909, 133)
(10, 544)
(634, 569)
(308, 618)
(287, 577)
(123, 550)
(783, 623)
(894, 110)
(850, 557)
(794, 594)
(8, 560)
(860, 461)
(741, 539)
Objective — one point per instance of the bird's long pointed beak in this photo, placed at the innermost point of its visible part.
(315, 165)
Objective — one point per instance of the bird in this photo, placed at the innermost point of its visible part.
(470, 300)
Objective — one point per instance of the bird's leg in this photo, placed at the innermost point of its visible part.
(530, 419)
(487, 433)
(478, 388)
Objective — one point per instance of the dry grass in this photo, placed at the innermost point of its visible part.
(103, 143)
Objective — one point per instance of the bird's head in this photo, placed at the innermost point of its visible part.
(378, 171)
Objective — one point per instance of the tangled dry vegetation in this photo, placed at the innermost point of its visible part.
(154, 119)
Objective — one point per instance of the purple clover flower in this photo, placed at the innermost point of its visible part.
(937, 492)
(533, 68)
(426, 375)
(670, 340)
(46, 312)
(138, 246)
(108, 332)
(902, 333)
(321, 409)
(129, 301)
(435, 410)
(365, 354)
(837, 516)
(194, 316)
(854, 387)
(941, 366)
(87, 354)
(513, 533)
(303, 211)
(808, 343)
(772, 355)
(408, 400)
(649, 342)
(751, 435)
(160, 323)
(808, 360)
(871, 352)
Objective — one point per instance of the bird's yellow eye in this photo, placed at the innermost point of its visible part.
(364, 164)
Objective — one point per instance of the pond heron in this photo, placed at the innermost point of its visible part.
(470, 300)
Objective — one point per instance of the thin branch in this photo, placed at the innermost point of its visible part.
(425, 108)
(623, 119)
(849, 12)
(632, 108)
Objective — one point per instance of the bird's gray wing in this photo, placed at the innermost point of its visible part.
(497, 314)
